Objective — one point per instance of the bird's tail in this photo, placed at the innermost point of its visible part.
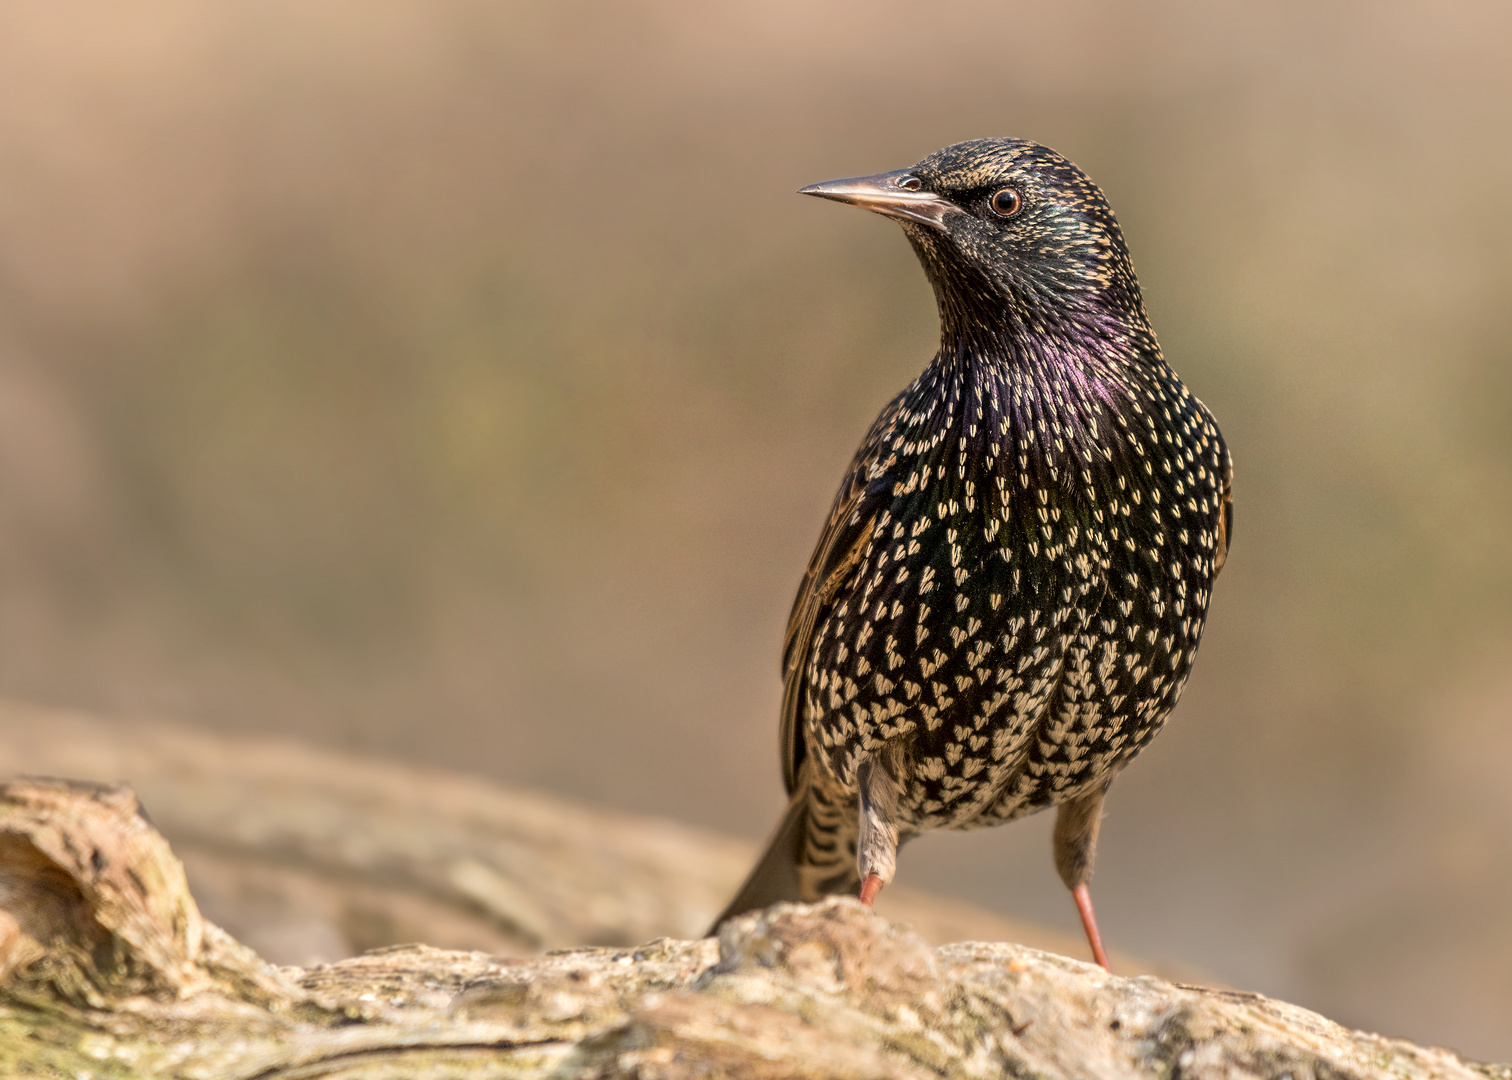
(812, 854)
(776, 874)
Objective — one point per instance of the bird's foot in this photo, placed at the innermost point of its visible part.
(870, 888)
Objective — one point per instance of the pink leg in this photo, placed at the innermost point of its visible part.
(870, 888)
(1083, 896)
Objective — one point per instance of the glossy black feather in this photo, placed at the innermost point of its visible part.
(1008, 596)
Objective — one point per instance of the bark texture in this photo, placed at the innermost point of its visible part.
(108, 969)
(307, 855)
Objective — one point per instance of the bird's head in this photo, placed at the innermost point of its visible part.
(1015, 239)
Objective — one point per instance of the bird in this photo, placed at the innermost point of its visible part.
(1007, 597)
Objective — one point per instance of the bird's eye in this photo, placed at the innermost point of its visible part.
(1006, 203)
(909, 183)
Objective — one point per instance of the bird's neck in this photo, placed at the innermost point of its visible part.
(1070, 375)
(1035, 324)
(1088, 346)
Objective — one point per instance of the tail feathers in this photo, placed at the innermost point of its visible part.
(776, 874)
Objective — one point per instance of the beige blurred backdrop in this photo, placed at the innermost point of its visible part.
(463, 382)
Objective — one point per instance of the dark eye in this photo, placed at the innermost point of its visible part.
(909, 183)
(1006, 203)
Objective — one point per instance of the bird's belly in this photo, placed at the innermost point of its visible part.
(999, 684)
(950, 657)
(1061, 726)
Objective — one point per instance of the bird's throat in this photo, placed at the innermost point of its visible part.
(1010, 320)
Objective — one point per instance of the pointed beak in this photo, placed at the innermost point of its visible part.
(895, 194)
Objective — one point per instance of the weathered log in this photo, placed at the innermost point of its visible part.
(307, 854)
(107, 968)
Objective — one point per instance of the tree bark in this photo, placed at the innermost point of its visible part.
(309, 855)
(108, 969)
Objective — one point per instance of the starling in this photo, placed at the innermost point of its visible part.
(1007, 598)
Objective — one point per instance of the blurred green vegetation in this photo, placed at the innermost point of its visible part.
(463, 381)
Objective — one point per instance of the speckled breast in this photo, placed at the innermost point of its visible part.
(1031, 598)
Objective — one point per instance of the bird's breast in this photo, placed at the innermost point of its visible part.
(1016, 608)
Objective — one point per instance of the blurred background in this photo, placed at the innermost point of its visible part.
(463, 382)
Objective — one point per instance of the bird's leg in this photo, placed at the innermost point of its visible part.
(1076, 828)
(877, 842)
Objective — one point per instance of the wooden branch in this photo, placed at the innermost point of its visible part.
(306, 854)
(107, 968)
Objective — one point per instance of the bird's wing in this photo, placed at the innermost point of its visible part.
(835, 559)
(1225, 515)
